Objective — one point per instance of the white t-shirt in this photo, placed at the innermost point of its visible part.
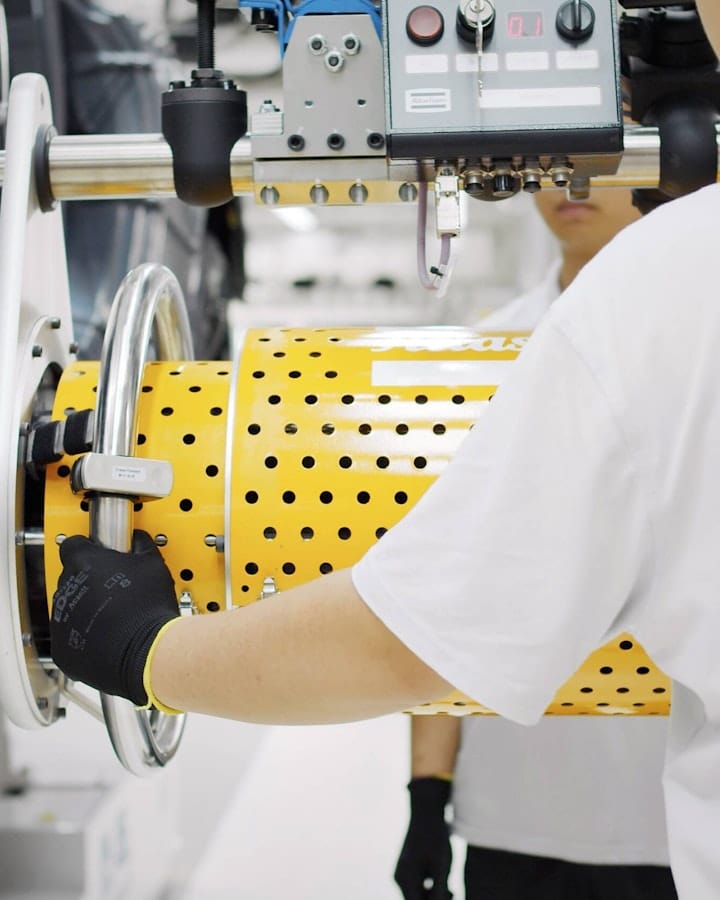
(595, 483)
(582, 789)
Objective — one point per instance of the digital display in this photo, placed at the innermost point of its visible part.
(524, 24)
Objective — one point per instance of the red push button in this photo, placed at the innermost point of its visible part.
(425, 25)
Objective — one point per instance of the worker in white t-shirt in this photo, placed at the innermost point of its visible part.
(584, 503)
(572, 808)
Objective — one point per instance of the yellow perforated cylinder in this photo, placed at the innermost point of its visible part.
(294, 462)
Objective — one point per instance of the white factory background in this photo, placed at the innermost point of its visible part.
(245, 811)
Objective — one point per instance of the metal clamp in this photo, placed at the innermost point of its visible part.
(149, 299)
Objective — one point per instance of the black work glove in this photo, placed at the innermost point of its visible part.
(107, 611)
(424, 864)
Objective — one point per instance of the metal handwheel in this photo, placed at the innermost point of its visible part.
(149, 299)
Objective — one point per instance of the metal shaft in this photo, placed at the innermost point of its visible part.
(112, 167)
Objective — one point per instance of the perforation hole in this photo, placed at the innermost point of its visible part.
(659, 690)
(215, 410)
(325, 568)
(311, 399)
(194, 389)
(186, 504)
(258, 374)
(642, 670)
(307, 533)
(308, 462)
(363, 497)
(458, 399)
(63, 471)
(625, 645)
(222, 372)
(331, 374)
(271, 462)
(288, 497)
(251, 568)
(84, 506)
(344, 533)
(251, 497)
(402, 428)
(622, 690)
(274, 399)
(315, 354)
(382, 462)
(420, 462)
(379, 532)
(606, 670)
(288, 568)
(326, 497)
(327, 428)
(187, 574)
(586, 690)
(294, 374)
(254, 428)
(188, 439)
(347, 399)
(439, 429)
(365, 428)
(270, 533)
(137, 507)
(212, 606)
(345, 462)
(421, 399)
(146, 388)
(384, 399)
(279, 354)
(291, 428)
(141, 438)
(211, 471)
(167, 411)
(401, 498)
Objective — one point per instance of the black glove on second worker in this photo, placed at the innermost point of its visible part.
(426, 855)
(107, 611)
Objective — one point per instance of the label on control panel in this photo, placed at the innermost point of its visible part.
(428, 100)
(539, 98)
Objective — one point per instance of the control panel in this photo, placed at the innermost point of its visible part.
(520, 88)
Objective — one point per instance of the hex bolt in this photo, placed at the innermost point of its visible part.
(334, 61)
(296, 142)
(161, 540)
(351, 44)
(317, 44)
(42, 702)
(59, 538)
(73, 348)
(358, 193)
(27, 639)
(319, 194)
(269, 195)
(408, 192)
(37, 350)
(55, 322)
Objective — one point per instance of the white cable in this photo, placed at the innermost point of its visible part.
(437, 279)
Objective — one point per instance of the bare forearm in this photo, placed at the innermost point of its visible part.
(435, 742)
(313, 654)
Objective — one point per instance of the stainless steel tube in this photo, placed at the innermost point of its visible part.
(113, 167)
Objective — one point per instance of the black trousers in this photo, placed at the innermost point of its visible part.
(501, 875)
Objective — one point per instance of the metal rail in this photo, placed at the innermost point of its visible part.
(112, 167)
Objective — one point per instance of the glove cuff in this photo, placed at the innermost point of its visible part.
(152, 700)
(429, 793)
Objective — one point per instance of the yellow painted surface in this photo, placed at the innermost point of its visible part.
(330, 447)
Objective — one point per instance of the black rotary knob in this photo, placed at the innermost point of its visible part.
(575, 20)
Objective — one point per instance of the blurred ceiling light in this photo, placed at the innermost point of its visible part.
(297, 218)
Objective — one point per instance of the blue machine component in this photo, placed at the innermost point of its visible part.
(287, 14)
